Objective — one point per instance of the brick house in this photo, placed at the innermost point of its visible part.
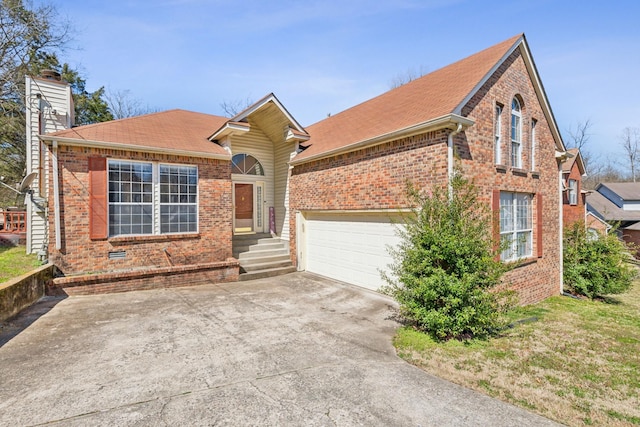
(617, 203)
(573, 197)
(174, 193)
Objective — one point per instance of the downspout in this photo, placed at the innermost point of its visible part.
(450, 164)
(561, 157)
(56, 194)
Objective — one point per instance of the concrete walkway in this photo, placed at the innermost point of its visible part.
(291, 350)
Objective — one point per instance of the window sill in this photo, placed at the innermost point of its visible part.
(519, 172)
(152, 238)
(501, 168)
(522, 262)
(535, 174)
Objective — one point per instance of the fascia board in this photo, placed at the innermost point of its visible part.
(447, 121)
(128, 147)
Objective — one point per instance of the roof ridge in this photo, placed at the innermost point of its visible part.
(415, 82)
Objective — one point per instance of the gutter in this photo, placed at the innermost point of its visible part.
(448, 121)
(128, 147)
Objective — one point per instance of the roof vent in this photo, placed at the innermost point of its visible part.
(51, 75)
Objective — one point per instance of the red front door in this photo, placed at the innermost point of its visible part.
(243, 207)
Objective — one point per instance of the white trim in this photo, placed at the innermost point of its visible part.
(521, 43)
(450, 121)
(156, 225)
(476, 88)
(262, 102)
(229, 128)
(72, 142)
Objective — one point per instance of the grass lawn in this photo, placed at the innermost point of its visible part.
(15, 262)
(578, 364)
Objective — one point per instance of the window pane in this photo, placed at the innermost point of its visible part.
(130, 198)
(178, 213)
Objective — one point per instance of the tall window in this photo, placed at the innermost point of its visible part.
(573, 192)
(516, 134)
(130, 198)
(178, 194)
(533, 144)
(497, 126)
(516, 226)
(151, 198)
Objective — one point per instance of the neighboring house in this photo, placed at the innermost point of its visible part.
(172, 193)
(618, 203)
(573, 197)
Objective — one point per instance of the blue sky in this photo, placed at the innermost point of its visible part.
(322, 57)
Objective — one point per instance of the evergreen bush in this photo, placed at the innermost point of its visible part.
(446, 268)
(596, 265)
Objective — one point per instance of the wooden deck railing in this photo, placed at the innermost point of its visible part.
(13, 222)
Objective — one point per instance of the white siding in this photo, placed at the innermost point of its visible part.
(256, 143)
(57, 112)
(282, 155)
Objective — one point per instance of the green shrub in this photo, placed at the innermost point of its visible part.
(446, 268)
(595, 266)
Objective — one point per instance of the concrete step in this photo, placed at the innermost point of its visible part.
(265, 265)
(276, 244)
(262, 253)
(271, 272)
(264, 259)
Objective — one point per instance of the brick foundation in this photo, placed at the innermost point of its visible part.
(146, 278)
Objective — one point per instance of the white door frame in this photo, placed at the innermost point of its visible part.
(258, 199)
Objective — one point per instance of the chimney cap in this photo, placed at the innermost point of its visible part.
(51, 75)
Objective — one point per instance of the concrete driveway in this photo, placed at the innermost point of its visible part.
(291, 350)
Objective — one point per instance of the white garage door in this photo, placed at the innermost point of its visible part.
(348, 247)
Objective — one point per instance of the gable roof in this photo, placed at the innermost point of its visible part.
(627, 191)
(574, 158)
(174, 131)
(607, 210)
(435, 99)
(270, 115)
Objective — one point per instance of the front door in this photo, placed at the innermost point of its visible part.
(243, 197)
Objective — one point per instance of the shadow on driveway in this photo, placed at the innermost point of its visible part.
(18, 323)
(291, 350)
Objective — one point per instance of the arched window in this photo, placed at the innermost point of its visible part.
(516, 134)
(246, 164)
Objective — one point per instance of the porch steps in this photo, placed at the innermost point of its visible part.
(261, 255)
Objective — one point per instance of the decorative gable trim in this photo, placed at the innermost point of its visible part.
(262, 102)
(521, 43)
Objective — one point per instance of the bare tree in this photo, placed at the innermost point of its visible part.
(407, 76)
(579, 138)
(233, 107)
(123, 105)
(630, 141)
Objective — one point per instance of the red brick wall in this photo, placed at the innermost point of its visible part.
(80, 254)
(537, 278)
(375, 178)
(573, 213)
(596, 224)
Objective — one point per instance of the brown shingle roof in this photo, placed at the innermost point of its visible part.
(426, 98)
(173, 130)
